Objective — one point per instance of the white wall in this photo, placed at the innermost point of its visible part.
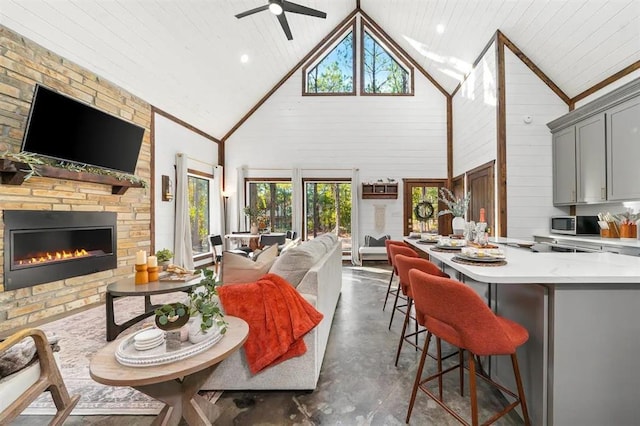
(474, 117)
(327, 136)
(608, 88)
(172, 138)
(529, 153)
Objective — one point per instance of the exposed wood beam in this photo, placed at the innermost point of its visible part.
(501, 154)
(449, 140)
(152, 209)
(289, 74)
(533, 67)
(476, 62)
(184, 124)
(623, 72)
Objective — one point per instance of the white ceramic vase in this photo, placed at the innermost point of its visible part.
(457, 224)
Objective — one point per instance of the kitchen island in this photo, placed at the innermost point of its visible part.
(582, 311)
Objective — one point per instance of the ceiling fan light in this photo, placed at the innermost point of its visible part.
(275, 7)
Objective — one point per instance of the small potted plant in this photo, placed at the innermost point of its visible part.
(255, 216)
(204, 307)
(164, 257)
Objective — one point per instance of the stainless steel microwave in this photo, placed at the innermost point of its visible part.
(575, 225)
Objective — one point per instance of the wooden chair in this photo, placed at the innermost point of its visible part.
(49, 380)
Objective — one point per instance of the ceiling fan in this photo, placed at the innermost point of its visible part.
(279, 7)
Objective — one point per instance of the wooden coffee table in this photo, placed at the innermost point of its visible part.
(128, 287)
(177, 383)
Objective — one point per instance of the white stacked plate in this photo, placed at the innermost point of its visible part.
(148, 339)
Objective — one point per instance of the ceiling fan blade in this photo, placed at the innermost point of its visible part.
(285, 26)
(252, 11)
(303, 10)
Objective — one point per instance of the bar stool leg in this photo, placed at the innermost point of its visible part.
(523, 402)
(416, 383)
(472, 390)
(461, 362)
(395, 303)
(388, 291)
(404, 329)
(439, 359)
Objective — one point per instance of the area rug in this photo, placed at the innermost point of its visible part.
(81, 336)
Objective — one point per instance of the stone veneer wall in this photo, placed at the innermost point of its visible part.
(22, 65)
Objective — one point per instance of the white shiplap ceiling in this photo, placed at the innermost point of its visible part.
(183, 56)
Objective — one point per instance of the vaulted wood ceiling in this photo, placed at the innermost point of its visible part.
(183, 56)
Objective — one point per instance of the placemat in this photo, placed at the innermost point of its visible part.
(471, 262)
(446, 250)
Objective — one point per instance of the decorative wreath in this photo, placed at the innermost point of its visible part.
(423, 211)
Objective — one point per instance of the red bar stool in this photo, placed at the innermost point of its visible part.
(455, 313)
(390, 290)
(394, 250)
(404, 264)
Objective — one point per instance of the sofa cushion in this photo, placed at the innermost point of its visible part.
(293, 264)
(370, 241)
(240, 269)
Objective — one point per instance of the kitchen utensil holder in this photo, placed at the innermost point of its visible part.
(612, 232)
(628, 230)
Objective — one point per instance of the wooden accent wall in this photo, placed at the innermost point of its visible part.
(22, 65)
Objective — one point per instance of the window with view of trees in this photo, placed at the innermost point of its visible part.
(199, 213)
(335, 72)
(381, 72)
(273, 200)
(328, 210)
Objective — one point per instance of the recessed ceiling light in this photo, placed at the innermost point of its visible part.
(244, 58)
(275, 7)
(439, 28)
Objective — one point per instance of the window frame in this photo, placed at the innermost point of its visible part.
(391, 51)
(210, 178)
(328, 48)
(323, 180)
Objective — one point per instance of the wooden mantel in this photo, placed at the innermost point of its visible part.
(13, 173)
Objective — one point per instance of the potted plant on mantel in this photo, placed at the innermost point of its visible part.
(204, 308)
(455, 206)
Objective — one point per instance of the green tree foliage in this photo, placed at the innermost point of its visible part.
(199, 213)
(329, 208)
(382, 73)
(334, 73)
(274, 198)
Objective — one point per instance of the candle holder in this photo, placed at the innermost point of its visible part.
(142, 276)
(153, 273)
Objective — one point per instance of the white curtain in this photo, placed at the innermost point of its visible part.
(355, 226)
(296, 201)
(183, 255)
(242, 174)
(218, 221)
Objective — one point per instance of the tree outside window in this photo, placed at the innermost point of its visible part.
(199, 213)
(381, 72)
(273, 199)
(334, 73)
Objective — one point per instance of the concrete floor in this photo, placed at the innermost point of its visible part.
(359, 385)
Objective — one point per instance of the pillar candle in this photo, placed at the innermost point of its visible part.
(482, 215)
(152, 261)
(141, 257)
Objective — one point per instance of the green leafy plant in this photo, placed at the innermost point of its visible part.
(172, 313)
(456, 206)
(254, 214)
(164, 255)
(204, 301)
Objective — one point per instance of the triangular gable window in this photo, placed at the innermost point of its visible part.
(381, 72)
(335, 72)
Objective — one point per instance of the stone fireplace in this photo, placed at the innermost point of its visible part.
(46, 246)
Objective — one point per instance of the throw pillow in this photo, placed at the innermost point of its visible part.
(370, 241)
(293, 264)
(240, 269)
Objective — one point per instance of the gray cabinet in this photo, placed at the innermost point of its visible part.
(623, 151)
(591, 172)
(604, 137)
(564, 166)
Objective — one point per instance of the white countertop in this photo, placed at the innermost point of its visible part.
(524, 266)
(616, 242)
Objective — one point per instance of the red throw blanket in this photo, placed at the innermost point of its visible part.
(278, 318)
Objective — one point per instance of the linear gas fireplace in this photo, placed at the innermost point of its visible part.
(46, 246)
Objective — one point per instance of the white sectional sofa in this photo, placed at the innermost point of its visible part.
(317, 265)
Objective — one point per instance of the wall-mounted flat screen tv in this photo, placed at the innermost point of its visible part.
(65, 129)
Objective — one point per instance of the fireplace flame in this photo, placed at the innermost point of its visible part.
(51, 257)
